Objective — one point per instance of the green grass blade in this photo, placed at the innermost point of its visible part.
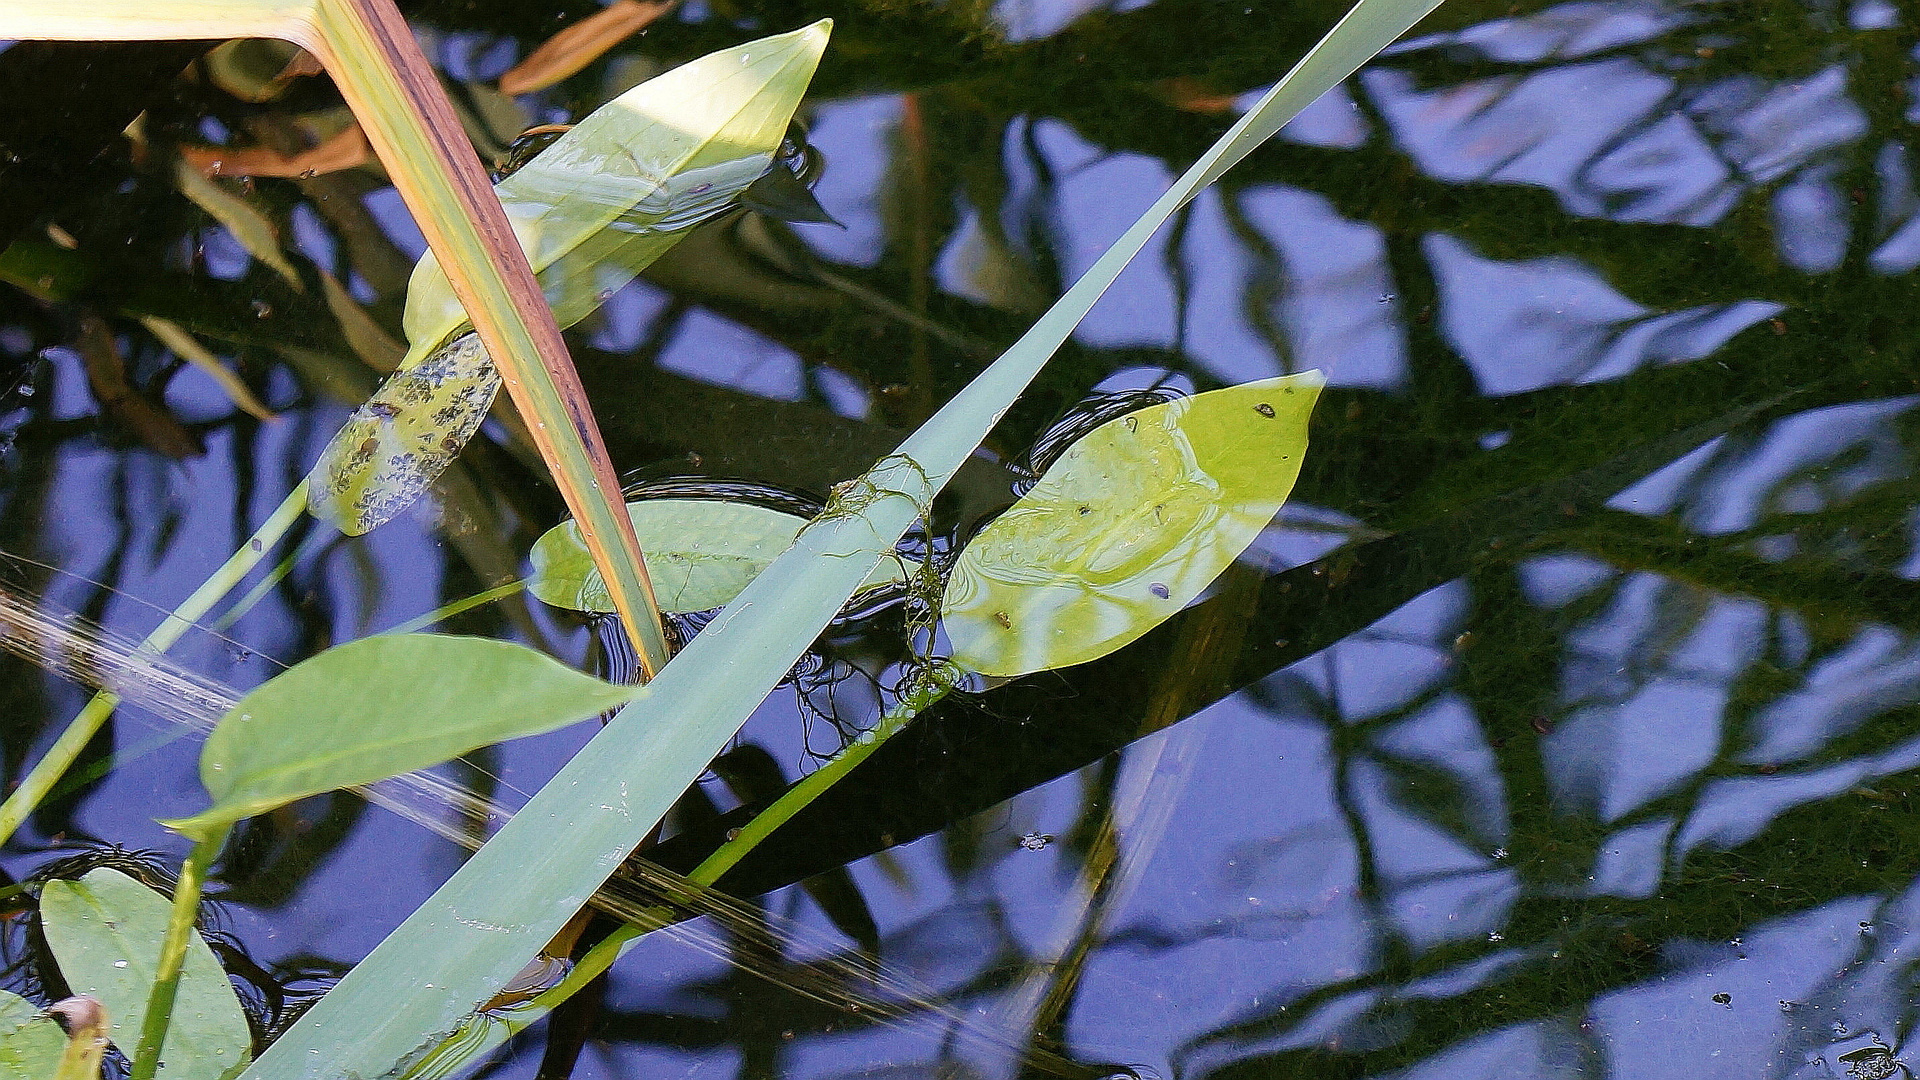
(373, 58)
(483, 925)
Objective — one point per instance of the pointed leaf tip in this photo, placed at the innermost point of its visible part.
(380, 707)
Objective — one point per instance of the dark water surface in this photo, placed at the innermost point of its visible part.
(1563, 726)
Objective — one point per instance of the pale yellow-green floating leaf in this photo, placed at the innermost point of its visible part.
(1133, 522)
(634, 176)
(699, 552)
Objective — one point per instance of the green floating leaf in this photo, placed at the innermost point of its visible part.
(105, 929)
(30, 1041)
(381, 707)
(592, 210)
(1132, 523)
(699, 552)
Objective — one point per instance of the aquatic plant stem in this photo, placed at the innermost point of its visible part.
(308, 548)
(81, 730)
(937, 683)
(448, 611)
(173, 952)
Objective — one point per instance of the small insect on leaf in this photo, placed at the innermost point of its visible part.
(1127, 527)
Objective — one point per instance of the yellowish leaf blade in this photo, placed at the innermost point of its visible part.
(1133, 522)
(187, 347)
(658, 159)
(244, 220)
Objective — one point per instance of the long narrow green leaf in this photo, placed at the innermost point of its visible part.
(486, 922)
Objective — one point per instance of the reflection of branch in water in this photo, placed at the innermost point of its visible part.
(851, 980)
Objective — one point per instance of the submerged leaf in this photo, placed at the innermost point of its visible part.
(248, 224)
(30, 1042)
(404, 437)
(381, 707)
(1128, 527)
(106, 929)
(699, 552)
(592, 210)
(581, 44)
(187, 347)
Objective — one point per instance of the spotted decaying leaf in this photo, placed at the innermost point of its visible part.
(404, 437)
(1131, 524)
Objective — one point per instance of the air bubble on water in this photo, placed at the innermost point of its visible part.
(119, 963)
(1035, 841)
(1496, 936)
(1499, 853)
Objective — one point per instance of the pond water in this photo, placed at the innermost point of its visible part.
(1562, 725)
